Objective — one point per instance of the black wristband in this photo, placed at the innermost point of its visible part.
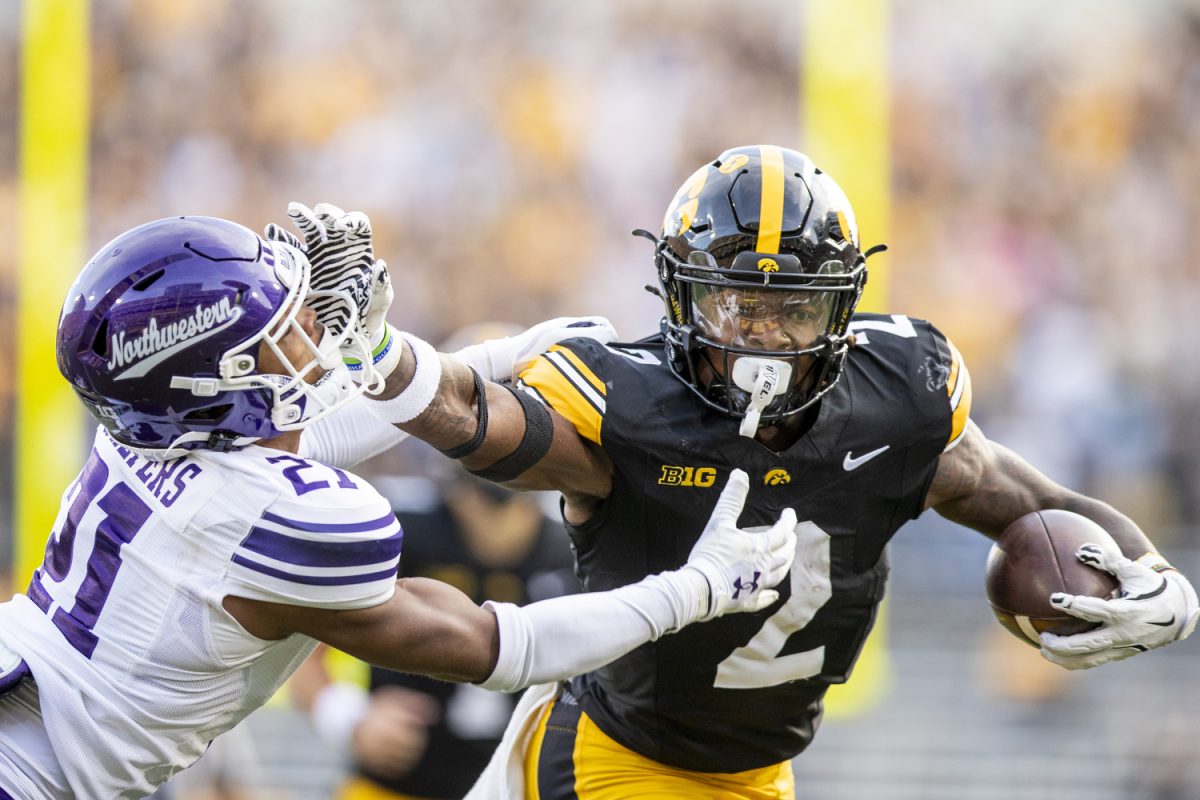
(539, 434)
(465, 449)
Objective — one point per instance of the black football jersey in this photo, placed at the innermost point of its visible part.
(745, 690)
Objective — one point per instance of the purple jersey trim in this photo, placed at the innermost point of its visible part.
(330, 527)
(315, 580)
(341, 553)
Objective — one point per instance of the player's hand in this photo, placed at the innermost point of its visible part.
(1153, 609)
(741, 566)
(346, 280)
(392, 735)
(502, 360)
(339, 248)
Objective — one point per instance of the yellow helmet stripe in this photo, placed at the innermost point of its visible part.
(770, 215)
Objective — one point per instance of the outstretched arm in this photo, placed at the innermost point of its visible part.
(453, 411)
(431, 628)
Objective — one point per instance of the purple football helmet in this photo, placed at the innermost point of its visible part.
(160, 335)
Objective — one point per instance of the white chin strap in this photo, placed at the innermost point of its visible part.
(764, 379)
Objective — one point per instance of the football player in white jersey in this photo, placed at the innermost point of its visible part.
(213, 535)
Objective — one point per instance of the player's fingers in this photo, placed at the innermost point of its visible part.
(1092, 609)
(783, 532)
(328, 213)
(733, 497)
(306, 220)
(1086, 661)
(764, 598)
(276, 233)
(355, 222)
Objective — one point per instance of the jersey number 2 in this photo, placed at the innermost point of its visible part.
(757, 664)
(121, 514)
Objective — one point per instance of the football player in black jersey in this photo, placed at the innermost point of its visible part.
(859, 422)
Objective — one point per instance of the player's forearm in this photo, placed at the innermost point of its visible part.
(554, 639)
(986, 486)
(444, 404)
(438, 401)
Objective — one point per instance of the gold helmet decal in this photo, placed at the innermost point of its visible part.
(682, 211)
(734, 164)
(768, 265)
(777, 477)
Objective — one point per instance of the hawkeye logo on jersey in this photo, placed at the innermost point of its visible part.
(768, 265)
(777, 477)
(157, 343)
(702, 477)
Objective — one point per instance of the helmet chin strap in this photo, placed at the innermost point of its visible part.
(763, 379)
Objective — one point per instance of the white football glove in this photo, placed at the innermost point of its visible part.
(741, 566)
(339, 248)
(1153, 609)
(502, 360)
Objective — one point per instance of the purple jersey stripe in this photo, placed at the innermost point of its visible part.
(315, 580)
(343, 553)
(330, 527)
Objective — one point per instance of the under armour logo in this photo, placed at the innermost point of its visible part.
(750, 586)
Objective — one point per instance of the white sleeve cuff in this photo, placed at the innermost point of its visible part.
(564, 636)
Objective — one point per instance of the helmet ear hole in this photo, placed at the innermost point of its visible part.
(100, 340)
(210, 414)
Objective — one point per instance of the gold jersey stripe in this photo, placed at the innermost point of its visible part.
(955, 362)
(958, 387)
(581, 367)
(556, 379)
(770, 213)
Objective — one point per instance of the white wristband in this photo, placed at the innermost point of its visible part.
(416, 397)
(336, 712)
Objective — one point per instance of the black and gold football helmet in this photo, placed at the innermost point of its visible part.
(760, 268)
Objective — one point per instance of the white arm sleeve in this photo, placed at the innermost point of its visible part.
(348, 436)
(564, 636)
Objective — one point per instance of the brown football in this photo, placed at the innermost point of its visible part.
(1035, 557)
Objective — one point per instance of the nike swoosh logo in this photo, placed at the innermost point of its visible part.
(851, 463)
(1166, 624)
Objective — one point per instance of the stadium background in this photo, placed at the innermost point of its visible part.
(1033, 166)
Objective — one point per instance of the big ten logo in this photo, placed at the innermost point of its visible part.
(777, 477)
(702, 477)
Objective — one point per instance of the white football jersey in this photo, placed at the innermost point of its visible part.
(137, 664)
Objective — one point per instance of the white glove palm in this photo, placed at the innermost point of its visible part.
(502, 360)
(741, 566)
(340, 251)
(1152, 610)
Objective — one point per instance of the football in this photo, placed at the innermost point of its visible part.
(1035, 557)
